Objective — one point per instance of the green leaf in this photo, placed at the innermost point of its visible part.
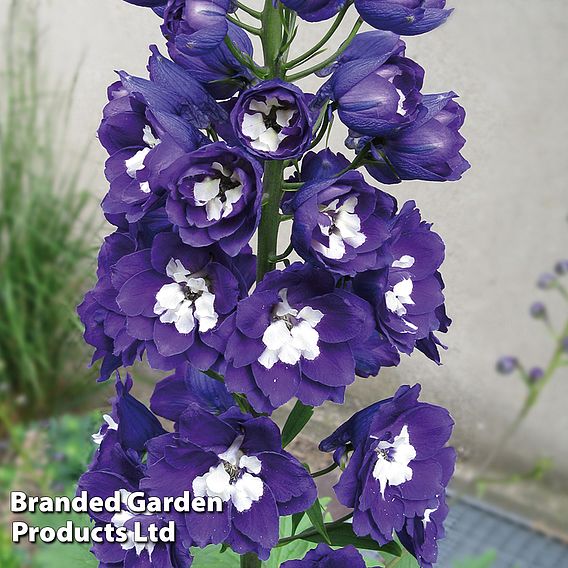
(212, 556)
(296, 520)
(298, 418)
(343, 535)
(315, 514)
(485, 561)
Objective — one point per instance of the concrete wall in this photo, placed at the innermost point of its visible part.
(503, 224)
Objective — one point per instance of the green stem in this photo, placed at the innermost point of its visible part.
(249, 11)
(329, 60)
(325, 471)
(304, 57)
(530, 401)
(250, 561)
(270, 221)
(249, 29)
(272, 37)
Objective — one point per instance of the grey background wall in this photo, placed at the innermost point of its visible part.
(503, 224)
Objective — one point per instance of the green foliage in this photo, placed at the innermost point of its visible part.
(46, 254)
(296, 421)
(485, 561)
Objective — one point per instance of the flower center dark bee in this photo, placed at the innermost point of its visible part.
(232, 470)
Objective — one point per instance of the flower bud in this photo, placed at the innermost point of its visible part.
(565, 344)
(546, 281)
(538, 310)
(535, 375)
(507, 364)
(561, 267)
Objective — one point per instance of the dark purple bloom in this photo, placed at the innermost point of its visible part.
(293, 337)
(129, 426)
(273, 121)
(200, 25)
(124, 474)
(400, 466)
(421, 534)
(238, 459)
(561, 267)
(404, 17)
(218, 70)
(407, 293)
(325, 557)
(564, 344)
(340, 223)
(164, 300)
(315, 10)
(546, 281)
(538, 310)
(188, 385)
(536, 374)
(507, 365)
(145, 127)
(214, 196)
(105, 325)
(377, 97)
(373, 48)
(427, 149)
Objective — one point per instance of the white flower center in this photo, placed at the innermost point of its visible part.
(343, 226)
(136, 162)
(291, 335)
(218, 194)
(399, 296)
(426, 518)
(234, 479)
(120, 519)
(186, 299)
(265, 122)
(99, 436)
(391, 467)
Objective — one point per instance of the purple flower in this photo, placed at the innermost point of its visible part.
(214, 196)
(427, 149)
(546, 281)
(340, 223)
(117, 466)
(538, 310)
(146, 125)
(218, 70)
(293, 337)
(507, 365)
(188, 385)
(325, 557)
(407, 293)
(238, 459)
(536, 374)
(315, 10)
(370, 50)
(105, 325)
(399, 468)
(137, 142)
(377, 97)
(404, 17)
(124, 474)
(133, 423)
(561, 267)
(564, 344)
(164, 300)
(204, 25)
(273, 121)
(421, 534)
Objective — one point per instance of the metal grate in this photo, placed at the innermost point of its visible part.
(473, 528)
